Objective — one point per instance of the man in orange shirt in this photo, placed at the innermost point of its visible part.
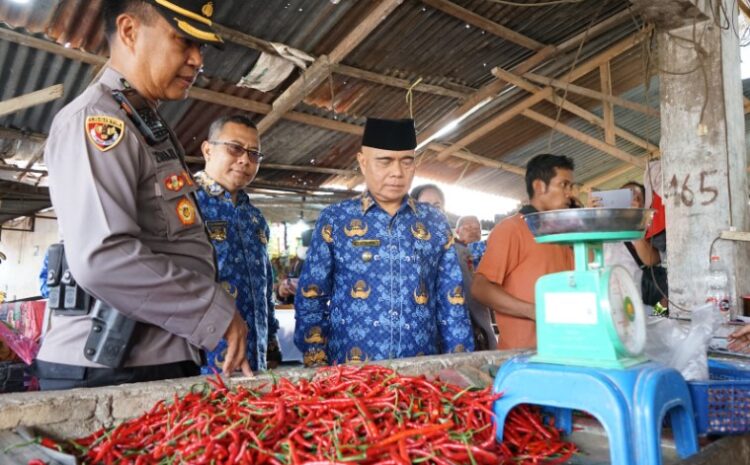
(507, 274)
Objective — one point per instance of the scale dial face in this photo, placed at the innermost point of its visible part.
(626, 311)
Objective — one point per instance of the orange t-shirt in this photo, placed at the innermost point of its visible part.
(515, 261)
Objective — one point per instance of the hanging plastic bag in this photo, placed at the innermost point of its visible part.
(683, 347)
(24, 347)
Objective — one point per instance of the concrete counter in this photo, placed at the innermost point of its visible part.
(78, 412)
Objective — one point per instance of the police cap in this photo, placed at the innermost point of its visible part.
(191, 18)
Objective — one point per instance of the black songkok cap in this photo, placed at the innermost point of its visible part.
(390, 134)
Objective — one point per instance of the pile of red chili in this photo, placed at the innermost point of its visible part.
(367, 414)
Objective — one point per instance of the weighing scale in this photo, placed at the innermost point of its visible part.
(593, 315)
(591, 333)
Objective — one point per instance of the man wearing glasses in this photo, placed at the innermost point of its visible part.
(239, 234)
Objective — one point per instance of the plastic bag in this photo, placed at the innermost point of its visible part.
(681, 346)
(24, 347)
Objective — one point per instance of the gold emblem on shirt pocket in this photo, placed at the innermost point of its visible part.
(230, 289)
(457, 296)
(315, 336)
(450, 241)
(360, 290)
(262, 237)
(355, 355)
(326, 232)
(420, 232)
(356, 228)
(314, 357)
(217, 230)
(311, 292)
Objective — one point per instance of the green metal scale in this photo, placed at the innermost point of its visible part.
(593, 315)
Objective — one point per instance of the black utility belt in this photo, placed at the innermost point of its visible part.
(66, 297)
(109, 340)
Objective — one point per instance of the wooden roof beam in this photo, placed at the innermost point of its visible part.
(485, 24)
(357, 73)
(285, 167)
(262, 108)
(493, 88)
(608, 176)
(582, 113)
(510, 113)
(566, 85)
(319, 70)
(479, 159)
(31, 99)
(585, 138)
(255, 43)
(196, 93)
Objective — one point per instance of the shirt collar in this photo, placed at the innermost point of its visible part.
(214, 189)
(112, 78)
(367, 202)
(527, 210)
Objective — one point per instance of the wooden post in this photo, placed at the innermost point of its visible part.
(607, 108)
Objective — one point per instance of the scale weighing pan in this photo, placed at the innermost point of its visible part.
(589, 224)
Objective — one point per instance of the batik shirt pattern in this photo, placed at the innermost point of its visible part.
(239, 234)
(376, 286)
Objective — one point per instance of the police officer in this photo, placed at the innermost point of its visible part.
(131, 241)
(239, 233)
(381, 279)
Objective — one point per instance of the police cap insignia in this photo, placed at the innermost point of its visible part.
(105, 132)
(191, 18)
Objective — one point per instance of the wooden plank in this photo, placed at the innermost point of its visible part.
(566, 85)
(51, 47)
(582, 113)
(397, 82)
(196, 93)
(31, 99)
(318, 72)
(253, 106)
(585, 138)
(605, 79)
(9, 133)
(608, 176)
(283, 167)
(479, 159)
(485, 24)
(493, 88)
(256, 43)
(508, 114)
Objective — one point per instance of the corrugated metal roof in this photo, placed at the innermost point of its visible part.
(415, 41)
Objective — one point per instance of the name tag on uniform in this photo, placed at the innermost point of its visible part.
(366, 243)
(217, 230)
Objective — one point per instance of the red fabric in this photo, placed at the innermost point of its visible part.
(660, 221)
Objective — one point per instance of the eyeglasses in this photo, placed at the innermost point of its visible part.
(238, 151)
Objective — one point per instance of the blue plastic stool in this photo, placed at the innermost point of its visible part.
(630, 403)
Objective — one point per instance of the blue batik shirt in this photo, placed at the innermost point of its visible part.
(477, 250)
(376, 286)
(239, 234)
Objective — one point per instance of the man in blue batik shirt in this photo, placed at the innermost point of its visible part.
(381, 279)
(239, 234)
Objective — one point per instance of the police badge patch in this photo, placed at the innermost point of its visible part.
(105, 132)
(186, 211)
